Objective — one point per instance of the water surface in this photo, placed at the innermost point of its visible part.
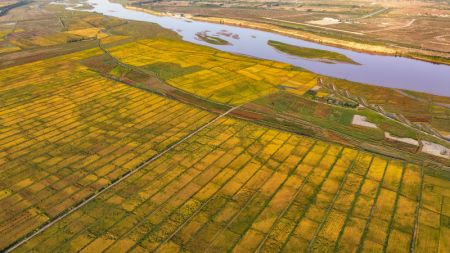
(387, 71)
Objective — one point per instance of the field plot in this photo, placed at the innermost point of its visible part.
(211, 74)
(415, 106)
(66, 132)
(236, 186)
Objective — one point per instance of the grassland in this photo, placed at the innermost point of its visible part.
(310, 53)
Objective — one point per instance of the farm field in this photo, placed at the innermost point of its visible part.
(415, 106)
(118, 136)
(239, 187)
(211, 74)
(67, 132)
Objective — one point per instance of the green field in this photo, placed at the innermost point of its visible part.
(310, 53)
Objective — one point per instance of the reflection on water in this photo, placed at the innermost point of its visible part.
(388, 71)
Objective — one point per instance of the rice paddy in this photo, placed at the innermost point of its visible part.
(239, 187)
(183, 179)
(220, 77)
(67, 132)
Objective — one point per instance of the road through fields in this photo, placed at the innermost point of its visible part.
(120, 179)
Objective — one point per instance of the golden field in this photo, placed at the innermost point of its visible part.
(193, 179)
(66, 132)
(220, 77)
(239, 187)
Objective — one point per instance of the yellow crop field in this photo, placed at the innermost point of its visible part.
(377, 169)
(102, 166)
(210, 194)
(393, 175)
(67, 132)
(87, 32)
(221, 77)
(220, 198)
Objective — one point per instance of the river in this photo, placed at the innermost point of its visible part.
(387, 71)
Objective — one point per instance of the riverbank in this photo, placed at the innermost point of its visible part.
(345, 44)
(5, 9)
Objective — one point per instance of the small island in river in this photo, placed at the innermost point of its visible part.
(310, 53)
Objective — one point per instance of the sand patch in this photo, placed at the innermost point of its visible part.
(325, 21)
(411, 141)
(435, 149)
(362, 121)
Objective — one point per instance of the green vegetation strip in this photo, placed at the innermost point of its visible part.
(310, 53)
(417, 213)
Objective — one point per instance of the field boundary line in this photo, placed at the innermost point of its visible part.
(417, 214)
(125, 176)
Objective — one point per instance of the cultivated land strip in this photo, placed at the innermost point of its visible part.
(331, 206)
(120, 179)
(183, 189)
(394, 211)
(355, 195)
(221, 191)
(292, 198)
(372, 210)
(202, 206)
(247, 204)
(316, 183)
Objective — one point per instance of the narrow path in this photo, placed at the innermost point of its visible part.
(417, 214)
(372, 13)
(393, 27)
(120, 179)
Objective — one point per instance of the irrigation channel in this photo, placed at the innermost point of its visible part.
(387, 71)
